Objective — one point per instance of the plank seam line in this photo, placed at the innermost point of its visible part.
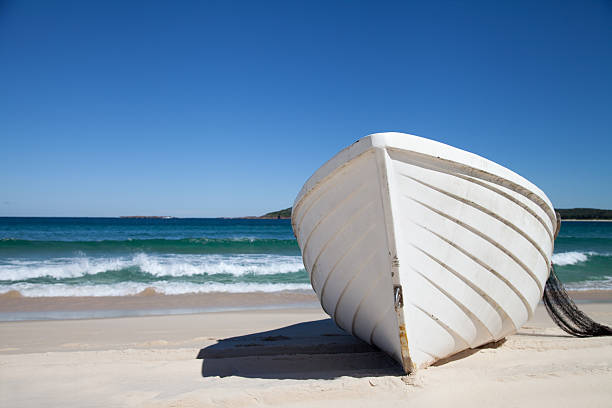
(348, 250)
(483, 174)
(459, 304)
(348, 284)
(348, 222)
(380, 318)
(322, 192)
(486, 238)
(474, 287)
(329, 213)
(485, 211)
(509, 197)
(485, 266)
(444, 326)
(489, 185)
(362, 301)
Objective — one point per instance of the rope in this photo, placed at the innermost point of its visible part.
(564, 311)
(566, 314)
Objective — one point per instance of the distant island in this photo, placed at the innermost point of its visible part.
(155, 217)
(583, 214)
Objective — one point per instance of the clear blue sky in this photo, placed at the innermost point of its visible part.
(216, 109)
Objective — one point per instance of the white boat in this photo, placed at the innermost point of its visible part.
(423, 249)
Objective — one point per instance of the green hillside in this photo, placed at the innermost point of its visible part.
(584, 214)
(286, 213)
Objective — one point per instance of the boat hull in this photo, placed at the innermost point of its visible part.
(422, 249)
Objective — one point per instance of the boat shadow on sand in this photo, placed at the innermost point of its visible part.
(311, 350)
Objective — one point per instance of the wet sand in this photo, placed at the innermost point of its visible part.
(13, 302)
(150, 301)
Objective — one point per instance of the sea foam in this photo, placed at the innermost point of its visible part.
(600, 284)
(156, 265)
(133, 288)
(570, 258)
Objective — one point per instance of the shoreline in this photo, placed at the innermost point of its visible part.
(14, 307)
(291, 358)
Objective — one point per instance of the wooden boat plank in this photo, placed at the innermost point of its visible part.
(421, 248)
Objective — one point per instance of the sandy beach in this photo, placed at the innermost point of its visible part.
(286, 356)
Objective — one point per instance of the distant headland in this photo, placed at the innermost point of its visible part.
(585, 214)
(274, 215)
(154, 217)
(568, 214)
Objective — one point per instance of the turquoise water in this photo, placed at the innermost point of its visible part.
(112, 256)
(583, 255)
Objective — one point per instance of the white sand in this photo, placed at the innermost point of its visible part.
(151, 362)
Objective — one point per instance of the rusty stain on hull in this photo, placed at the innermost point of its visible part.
(406, 361)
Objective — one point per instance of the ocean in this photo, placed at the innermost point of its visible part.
(44, 257)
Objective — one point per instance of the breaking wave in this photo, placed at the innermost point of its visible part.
(569, 258)
(155, 265)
